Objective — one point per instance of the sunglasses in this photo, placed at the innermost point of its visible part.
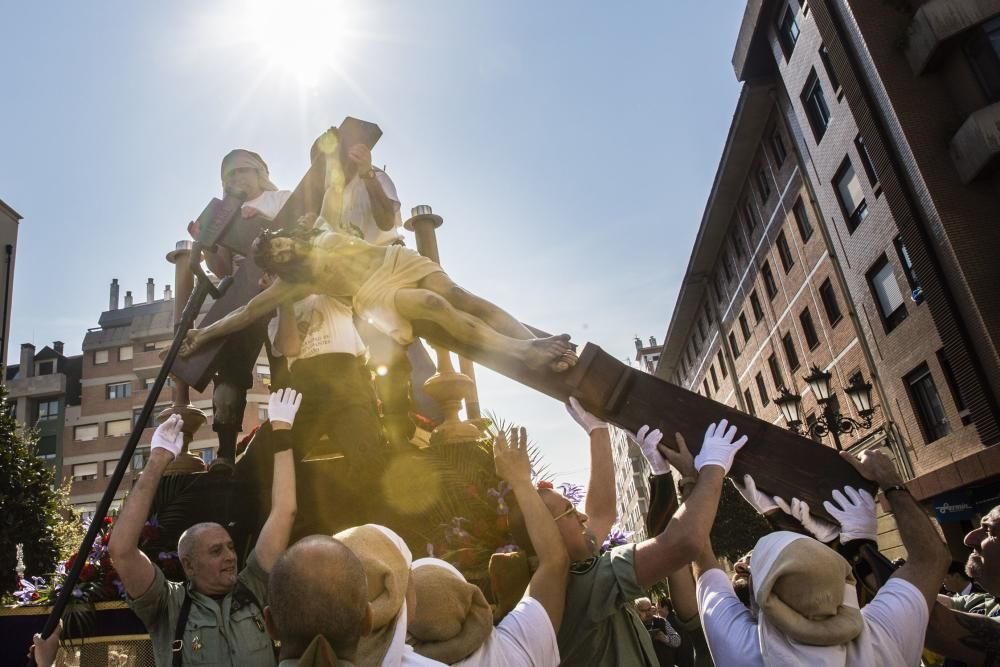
(571, 510)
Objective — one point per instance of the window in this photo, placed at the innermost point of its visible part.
(775, 368)
(762, 390)
(808, 329)
(705, 385)
(737, 244)
(884, 287)
(983, 52)
(956, 394)
(769, 285)
(790, 355)
(125, 353)
(118, 428)
(722, 366)
(763, 186)
(927, 403)
(732, 345)
(85, 432)
(207, 455)
(802, 220)
(749, 401)
(778, 147)
(100, 357)
(109, 468)
(824, 56)
(758, 312)
(750, 216)
(82, 471)
(745, 328)
(156, 345)
(718, 289)
(138, 460)
(117, 390)
(849, 195)
(866, 160)
(785, 252)
(904, 259)
(47, 367)
(48, 409)
(726, 268)
(830, 305)
(46, 447)
(715, 378)
(814, 103)
(788, 30)
(148, 383)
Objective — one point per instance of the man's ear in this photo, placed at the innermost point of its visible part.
(269, 624)
(366, 622)
(188, 566)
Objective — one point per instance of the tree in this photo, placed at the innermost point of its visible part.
(737, 525)
(29, 505)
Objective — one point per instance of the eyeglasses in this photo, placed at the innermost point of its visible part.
(571, 510)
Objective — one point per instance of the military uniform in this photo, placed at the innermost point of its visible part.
(983, 604)
(226, 632)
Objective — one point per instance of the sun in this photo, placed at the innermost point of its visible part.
(303, 38)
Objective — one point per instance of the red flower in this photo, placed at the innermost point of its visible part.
(545, 484)
(88, 572)
(107, 521)
(35, 596)
(69, 562)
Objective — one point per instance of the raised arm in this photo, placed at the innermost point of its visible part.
(384, 207)
(133, 567)
(684, 536)
(599, 503)
(548, 583)
(277, 530)
(970, 638)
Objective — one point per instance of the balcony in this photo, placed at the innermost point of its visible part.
(977, 142)
(37, 385)
(938, 21)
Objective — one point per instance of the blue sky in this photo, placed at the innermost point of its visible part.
(569, 146)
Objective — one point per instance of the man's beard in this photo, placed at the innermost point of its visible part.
(974, 566)
(741, 586)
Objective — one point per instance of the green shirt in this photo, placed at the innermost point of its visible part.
(599, 625)
(216, 633)
(977, 603)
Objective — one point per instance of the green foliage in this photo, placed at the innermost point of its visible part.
(737, 525)
(29, 505)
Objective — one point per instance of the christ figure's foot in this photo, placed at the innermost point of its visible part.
(554, 352)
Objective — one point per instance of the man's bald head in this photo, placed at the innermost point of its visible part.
(318, 587)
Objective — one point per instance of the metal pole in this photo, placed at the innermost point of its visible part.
(832, 423)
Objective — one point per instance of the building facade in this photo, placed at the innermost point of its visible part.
(120, 362)
(846, 230)
(9, 223)
(631, 487)
(41, 389)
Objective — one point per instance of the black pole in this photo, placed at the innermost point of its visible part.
(832, 423)
(203, 288)
(6, 304)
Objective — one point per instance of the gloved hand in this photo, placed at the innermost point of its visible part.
(589, 422)
(719, 447)
(647, 441)
(761, 502)
(855, 513)
(282, 406)
(168, 436)
(822, 530)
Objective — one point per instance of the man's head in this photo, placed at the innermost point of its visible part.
(741, 578)
(645, 608)
(984, 561)
(245, 174)
(208, 558)
(284, 254)
(580, 542)
(318, 587)
(956, 580)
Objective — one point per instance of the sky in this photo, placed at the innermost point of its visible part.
(569, 146)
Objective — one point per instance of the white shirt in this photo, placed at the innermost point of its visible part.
(325, 325)
(357, 210)
(524, 637)
(894, 623)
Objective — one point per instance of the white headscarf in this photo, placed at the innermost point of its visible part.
(776, 648)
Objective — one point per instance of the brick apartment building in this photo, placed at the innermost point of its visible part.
(119, 364)
(850, 227)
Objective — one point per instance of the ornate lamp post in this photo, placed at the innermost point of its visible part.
(831, 421)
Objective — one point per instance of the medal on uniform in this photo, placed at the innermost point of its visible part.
(258, 623)
(196, 644)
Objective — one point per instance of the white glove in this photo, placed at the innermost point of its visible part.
(168, 436)
(647, 441)
(589, 422)
(283, 405)
(822, 530)
(718, 448)
(761, 502)
(855, 514)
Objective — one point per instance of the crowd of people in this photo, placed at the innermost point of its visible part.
(360, 598)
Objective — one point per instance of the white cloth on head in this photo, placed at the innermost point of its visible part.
(325, 325)
(525, 637)
(357, 210)
(893, 634)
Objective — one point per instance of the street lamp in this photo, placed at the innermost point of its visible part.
(831, 421)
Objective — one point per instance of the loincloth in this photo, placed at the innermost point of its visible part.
(375, 301)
